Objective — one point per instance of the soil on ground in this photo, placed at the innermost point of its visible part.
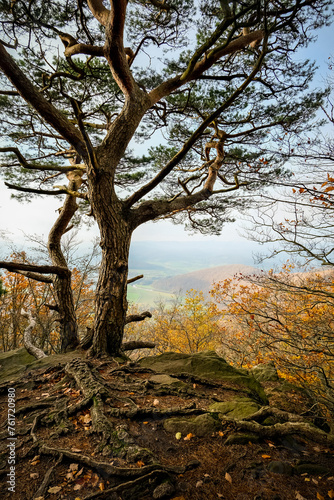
(105, 437)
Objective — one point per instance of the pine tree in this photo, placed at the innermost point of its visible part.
(207, 87)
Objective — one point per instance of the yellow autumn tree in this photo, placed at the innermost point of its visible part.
(185, 325)
(286, 317)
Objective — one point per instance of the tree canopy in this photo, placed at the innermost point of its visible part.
(144, 109)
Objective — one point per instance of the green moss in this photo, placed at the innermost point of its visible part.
(202, 425)
(312, 469)
(207, 365)
(236, 408)
(14, 363)
(242, 438)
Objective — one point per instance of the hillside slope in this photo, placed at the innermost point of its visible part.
(202, 279)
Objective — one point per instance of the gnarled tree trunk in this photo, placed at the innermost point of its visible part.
(110, 297)
(62, 282)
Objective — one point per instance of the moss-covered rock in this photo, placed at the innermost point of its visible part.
(265, 372)
(236, 408)
(242, 438)
(207, 365)
(200, 426)
(166, 380)
(14, 363)
(279, 467)
(312, 469)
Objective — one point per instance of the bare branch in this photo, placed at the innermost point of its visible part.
(114, 48)
(194, 71)
(34, 276)
(137, 344)
(136, 278)
(138, 317)
(76, 194)
(36, 191)
(88, 144)
(196, 135)
(9, 92)
(20, 266)
(82, 48)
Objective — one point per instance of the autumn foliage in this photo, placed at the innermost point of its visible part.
(186, 325)
(287, 318)
(24, 294)
(284, 317)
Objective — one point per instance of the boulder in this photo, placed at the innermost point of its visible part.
(207, 365)
(200, 426)
(13, 364)
(242, 438)
(237, 408)
(166, 380)
(265, 372)
(279, 467)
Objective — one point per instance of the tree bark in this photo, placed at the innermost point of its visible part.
(31, 348)
(116, 225)
(110, 297)
(62, 284)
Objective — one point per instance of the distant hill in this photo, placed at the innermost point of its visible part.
(177, 257)
(202, 279)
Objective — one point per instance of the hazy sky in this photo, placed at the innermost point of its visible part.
(37, 217)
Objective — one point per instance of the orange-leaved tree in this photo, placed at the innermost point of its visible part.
(286, 317)
(188, 325)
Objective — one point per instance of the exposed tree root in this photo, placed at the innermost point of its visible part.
(117, 404)
(109, 470)
(36, 406)
(35, 424)
(116, 441)
(271, 411)
(87, 379)
(132, 368)
(73, 409)
(292, 425)
(133, 487)
(47, 479)
(155, 413)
